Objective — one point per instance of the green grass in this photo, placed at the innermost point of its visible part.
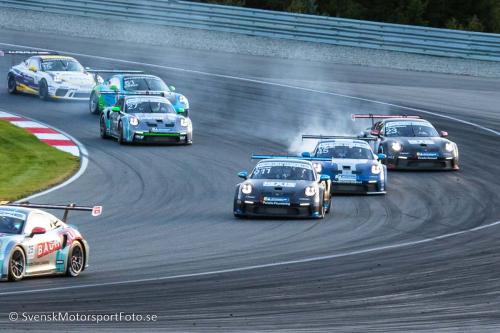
(28, 165)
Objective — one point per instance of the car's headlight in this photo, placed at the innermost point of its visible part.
(396, 146)
(246, 188)
(310, 191)
(449, 147)
(134, 121)
(376, 169)
(317, 166)
(183, 99)
(184, 122)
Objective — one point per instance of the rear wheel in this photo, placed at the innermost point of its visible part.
(12, 85)
(76, 260)
(17, 265)
(43, 90)
(93, 103)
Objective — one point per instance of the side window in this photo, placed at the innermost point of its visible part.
(38, 220)
(33, 62)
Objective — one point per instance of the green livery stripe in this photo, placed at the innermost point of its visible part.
(161, 134)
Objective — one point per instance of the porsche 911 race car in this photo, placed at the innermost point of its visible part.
(50, 76)
(106, 94)
(350, 163)
(146, 118)
(282, 186)
(411, 143)
(34, 242)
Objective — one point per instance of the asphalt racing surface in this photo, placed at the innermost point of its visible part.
(167, 243)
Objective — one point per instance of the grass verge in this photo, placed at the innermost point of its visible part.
(28, 165)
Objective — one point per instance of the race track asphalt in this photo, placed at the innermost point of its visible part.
(373, 265)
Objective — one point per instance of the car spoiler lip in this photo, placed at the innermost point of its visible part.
(96, 210)
(329, 137)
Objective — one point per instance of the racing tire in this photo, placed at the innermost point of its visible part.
(12, 85)
(120, 133)
(102, 128)
(17, 264)
(76, 260)
(93, 104)
(327, 211)
(43, 91)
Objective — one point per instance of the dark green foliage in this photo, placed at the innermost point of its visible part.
(476, 15)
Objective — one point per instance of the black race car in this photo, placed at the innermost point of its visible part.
(286, 186)
(410, 142)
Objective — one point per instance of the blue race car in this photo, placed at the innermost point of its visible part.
(350, 163)
(106, 93)
(145, 118)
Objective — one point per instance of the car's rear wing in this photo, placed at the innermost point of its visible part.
(96, 210)
(26, 52)
(305, 158)
(381, 116)
(332, 137)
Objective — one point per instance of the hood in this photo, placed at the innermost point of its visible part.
(279, 185)
(74, 77)
(153, 117)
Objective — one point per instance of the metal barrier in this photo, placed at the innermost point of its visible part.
(254, 22)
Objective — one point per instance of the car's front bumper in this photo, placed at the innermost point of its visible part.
(298, 209)
(415, 163)
(365, 187)
(162, 138)
(70, 92)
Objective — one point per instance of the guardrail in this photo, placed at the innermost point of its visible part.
(255, 22)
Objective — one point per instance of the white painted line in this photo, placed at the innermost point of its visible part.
(27, 124)
(73, 150)
(5, 114)
(50, 136)
(246, 268)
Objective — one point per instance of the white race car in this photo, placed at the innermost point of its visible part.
(50, 76)
(33, 242)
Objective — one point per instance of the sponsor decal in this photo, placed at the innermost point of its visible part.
(285, 164)
(45, 248)
(31, 251)
(346, 178)
(280, 184)
(277, 201)
(427, 156)
(329, 145)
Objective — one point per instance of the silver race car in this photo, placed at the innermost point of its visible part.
(50, 76)
(34, 242)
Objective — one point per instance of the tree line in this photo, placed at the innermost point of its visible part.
(472, 15)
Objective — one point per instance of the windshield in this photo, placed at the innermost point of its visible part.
(144, 83)
(409, 129)
(11, 222)
(337, 150)
(283, 170)
(61, 65)
(136, 105)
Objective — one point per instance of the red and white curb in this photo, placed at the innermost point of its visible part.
(43, 132)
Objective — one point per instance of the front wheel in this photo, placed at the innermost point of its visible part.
(12, 85)
(93, 103)
(76, 260)
(120, 134)
(43, 90)
(102, 128)
(17, 265)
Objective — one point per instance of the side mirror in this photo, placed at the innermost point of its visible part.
(444, 134)
(375, 132)
(306, 154)
(381, 156)
(87, 68)
(114, 88)
(37, 231)
(115, 109)
(32, 68)
(243, 174)
(324, 178)
(172, 88)
(180, 110)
